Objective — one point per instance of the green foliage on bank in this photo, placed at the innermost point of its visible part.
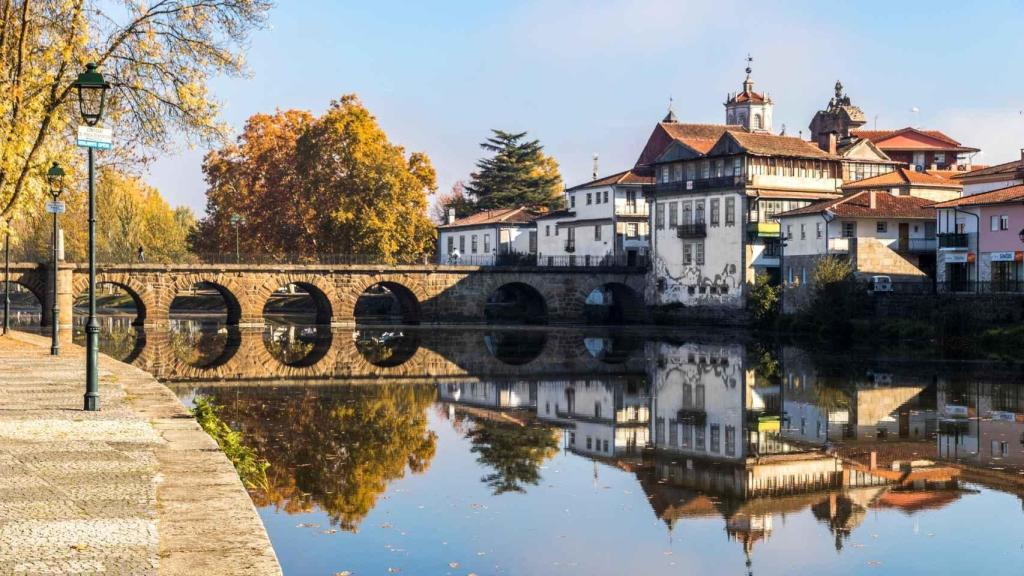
(252, 469)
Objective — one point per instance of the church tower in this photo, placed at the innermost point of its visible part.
(749, 109)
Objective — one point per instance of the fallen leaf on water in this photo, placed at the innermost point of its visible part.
(343, 573)
(307, 525)
(453, 564)
(394, 570)
(386, 525)
(331, 531)
(874, 563)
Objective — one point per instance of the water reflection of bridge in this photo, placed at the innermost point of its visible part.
(324, 355)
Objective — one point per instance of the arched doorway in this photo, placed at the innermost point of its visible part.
(516, 303)
(614, 303)
(387, 303)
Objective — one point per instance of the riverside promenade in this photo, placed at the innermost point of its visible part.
(137, 488)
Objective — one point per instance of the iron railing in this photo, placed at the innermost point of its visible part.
(632, 210)
(699, 230)
(916, 244)
(953, 240)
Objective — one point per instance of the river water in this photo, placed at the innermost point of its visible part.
(590, 451)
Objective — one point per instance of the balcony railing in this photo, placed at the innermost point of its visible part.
(681, 186)
(763, 229)
(916, 245)
(957, 240)
(692, 231)
(632, 210)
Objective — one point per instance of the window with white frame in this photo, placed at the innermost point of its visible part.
(659, 216)
(730, 211)
(597, 232)
(462, 243)
(698, 217)
(487, 243)
(849, 229)
(673, 215)
(715, 211)
(632, 230)
(547, 229)
(881, 226)
(473, 244)
(803, 232)
(817, 229)
(590, 198)
(687, 213)
(451, 244)
(687, 254)
(700, 253)
(1004, 222)
(572, 200)
(605, 196)
(994, 221)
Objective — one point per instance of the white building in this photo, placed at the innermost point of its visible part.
(605, 221)
(993, 177)
(487, 238)
(605, 419)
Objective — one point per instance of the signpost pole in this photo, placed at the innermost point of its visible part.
(55, 316)
(92, 327)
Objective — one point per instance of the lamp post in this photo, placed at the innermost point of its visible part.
(236, 221)
(55, 178)
(7, 277)
(92, 91)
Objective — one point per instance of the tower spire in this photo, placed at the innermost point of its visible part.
(748, 83)
(671, 116)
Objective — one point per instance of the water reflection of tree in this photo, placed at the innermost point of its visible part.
(285, 348)
(119, 342)
(335, 451)
(513, 452)
(198, 347)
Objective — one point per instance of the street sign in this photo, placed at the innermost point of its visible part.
(94, 137)
(55, 207)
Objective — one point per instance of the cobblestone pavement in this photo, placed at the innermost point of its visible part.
(136, 488)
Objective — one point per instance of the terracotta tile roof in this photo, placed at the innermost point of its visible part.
(563, 213)
(877, 136)
(1000, 196)
(519, 215)
(859, 206)
(748, 97)
(1004, 168)
(903, 176)
(700, 137)
(764, 144)
(624, 177)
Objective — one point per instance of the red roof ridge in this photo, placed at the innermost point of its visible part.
(1014, 193)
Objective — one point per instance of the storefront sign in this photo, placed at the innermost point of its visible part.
(956, 258)
(1002, 256)
(1004, 416)
(952, 410)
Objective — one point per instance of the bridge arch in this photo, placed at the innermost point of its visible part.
(37, 289)
(182, 283)
(406, 289)
(140, 294)
(515, 301)
(320, 291)
(613, 302)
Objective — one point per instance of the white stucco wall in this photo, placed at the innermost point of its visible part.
(980, 187)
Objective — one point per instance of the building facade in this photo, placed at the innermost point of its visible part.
(488, 238)
(921, 149)
(992, 177)
(981, 241)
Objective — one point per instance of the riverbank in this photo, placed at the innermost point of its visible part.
(137, 488)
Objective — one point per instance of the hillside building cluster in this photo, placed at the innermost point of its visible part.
(706, 208)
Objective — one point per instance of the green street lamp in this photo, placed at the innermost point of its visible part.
(236, 221)
(55, 178)
(92, 89)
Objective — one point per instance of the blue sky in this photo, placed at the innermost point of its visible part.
(594, 77)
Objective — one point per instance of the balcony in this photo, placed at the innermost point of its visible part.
(682, 186)
(570, 246)
(839, 245)
(916, 245)
(632, 210)
(763, 229)
(692, 231)
(958, 240)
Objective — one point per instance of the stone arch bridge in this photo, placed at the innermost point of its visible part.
(428, 293)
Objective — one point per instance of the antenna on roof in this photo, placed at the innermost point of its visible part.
(750, 60)
(783, 133)
(594, 174)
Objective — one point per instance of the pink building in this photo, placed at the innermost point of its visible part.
(981, 239)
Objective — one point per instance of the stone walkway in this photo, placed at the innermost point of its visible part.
(137, 488)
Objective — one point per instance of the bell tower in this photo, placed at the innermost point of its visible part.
(748, 108)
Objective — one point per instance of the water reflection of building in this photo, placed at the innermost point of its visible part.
(604, 418)
(981, 423)
(496, 395)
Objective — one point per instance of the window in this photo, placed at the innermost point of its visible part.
(716, 438)
(673, 215)
(1004, 222)
(940, 158)
(659, 216)
(632, 230)
(605, 196)
(849, 229)
(881, 227)
(700, 253)
(572, 200)
(730, 440)
(719, 167)
(462, 244)
(677, 172)
(487, 243)
(687, 254)
(597, 232)
(659, 431)
(699, 214)
(699, 442)
(803, 232)
(757, 121)
(590, 198)
(673, 433)
(730, 211)
(533, 241)
(664, 173)
(714, 211)
(705, 169)
(451, 244)
(995, 223)
(789, 231)
(474, 243)
(589, 442)
(687, 213)
(817, 230)
(691, 170)
(547, 229)
(737, 166)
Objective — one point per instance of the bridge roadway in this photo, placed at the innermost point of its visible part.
(427, 293)
(394, 354)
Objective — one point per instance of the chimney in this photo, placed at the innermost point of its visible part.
(833, 143)
(1022, 154)
(873, 201)
(450, 216)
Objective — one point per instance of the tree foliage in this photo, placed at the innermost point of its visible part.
(518, 174)
(514, 453)
(308, 185)
(157, 56)
(764, 300)
(133, 214)
(457, 198)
